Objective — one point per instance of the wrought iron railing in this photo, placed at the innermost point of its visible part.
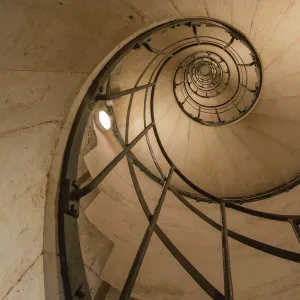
(205, 67)
(202, 77)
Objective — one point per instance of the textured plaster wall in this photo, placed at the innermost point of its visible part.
(47, 50)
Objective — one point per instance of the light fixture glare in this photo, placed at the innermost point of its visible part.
(104, 119)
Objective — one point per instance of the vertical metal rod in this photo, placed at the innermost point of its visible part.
(185, 100)
(108, 89)
(133, 273)
(225, 251)
(147, 138)
(229, 43)
(252, 91)
(296, 229)
(218, 115)
(235, 105)
(196, 34)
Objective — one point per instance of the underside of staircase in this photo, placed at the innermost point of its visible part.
(193, 192)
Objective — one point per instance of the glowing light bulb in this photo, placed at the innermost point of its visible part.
(104, 119)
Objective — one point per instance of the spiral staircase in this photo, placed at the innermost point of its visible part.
(192, 141)
(193, 192)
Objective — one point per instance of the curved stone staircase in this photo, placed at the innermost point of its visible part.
(48, 49)
(236, 161)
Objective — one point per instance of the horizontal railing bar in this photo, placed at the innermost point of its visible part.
(123, 93)
(78, 193)
(137, 263)
(288, 255)
(189, 268)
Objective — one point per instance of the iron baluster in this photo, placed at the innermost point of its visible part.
(108, 87)
(133, 273)
(295, 225)
(199, 112)
(229, 43)
(219, 119)
(225, 251)
(185, 100)
(196, 33)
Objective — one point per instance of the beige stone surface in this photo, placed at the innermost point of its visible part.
(36, 97)
(23, 198)
(286, 66)
(152, 11)
(31, 283)
(220, 9)
(94, 282)
(242, 14)
(62, 36)
(267, 16)
(283, 108)
(95, 246)
(193, 8)
(284, 36)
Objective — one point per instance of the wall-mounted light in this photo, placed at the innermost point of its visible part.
(102, 120)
